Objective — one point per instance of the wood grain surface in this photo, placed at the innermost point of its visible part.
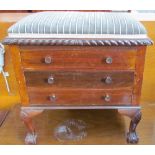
(145, 129)
(102, 127)
(19, 74)
(7, 19)
(80, 79)
(85, 80)
(54, 97)
(33, 57)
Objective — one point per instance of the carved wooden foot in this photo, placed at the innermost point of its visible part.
(135, 115)
(26, 116)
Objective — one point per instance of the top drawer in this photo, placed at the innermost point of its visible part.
(78, 58)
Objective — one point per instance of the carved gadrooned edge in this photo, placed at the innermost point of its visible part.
(78, 42)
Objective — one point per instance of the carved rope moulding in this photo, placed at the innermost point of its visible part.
(78, 42)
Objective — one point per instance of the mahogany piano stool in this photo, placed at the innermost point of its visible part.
(78, 60)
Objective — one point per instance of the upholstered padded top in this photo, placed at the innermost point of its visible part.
(76, 25)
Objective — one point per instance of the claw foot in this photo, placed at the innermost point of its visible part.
(135, 115)
(31, 139)
(132, 138)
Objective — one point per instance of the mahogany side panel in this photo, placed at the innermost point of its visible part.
(139, 69)
(16, 58)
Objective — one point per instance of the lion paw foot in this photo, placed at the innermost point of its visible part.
(31, 139)
(132, 138)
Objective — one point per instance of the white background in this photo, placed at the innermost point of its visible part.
(77, 4)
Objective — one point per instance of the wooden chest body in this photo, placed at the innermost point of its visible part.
(79, 76)
(79, 61)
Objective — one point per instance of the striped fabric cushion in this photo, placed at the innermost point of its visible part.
(77, 24)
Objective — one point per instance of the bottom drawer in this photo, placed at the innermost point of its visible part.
(80, 97)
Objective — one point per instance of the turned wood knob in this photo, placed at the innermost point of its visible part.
(108, 80)
(52, 97)
(107, 98)
(48, 60)
(109, 60)
(50, 80)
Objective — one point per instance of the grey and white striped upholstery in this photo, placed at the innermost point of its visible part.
(78, 28)
(61, 23)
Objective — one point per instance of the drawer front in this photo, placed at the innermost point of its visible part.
(79, 97)
(94, 59)
(68, 79)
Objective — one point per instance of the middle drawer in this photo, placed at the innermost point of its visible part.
(77, 79)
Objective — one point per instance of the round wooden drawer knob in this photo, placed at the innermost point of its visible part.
(107, 98)
(109, 60)
(52, 97)
(108, 80)
(50, 80)
(48, 60)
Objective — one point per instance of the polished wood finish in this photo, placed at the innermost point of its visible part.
(75, 97)
(33, 58)
(80, 79)
(7, 19)
(147, 96)
(77, 42)
(139, 69)
(16, 58)
(42, 80)
(103, 127)
(72, 82)
(135, 116)
(48, 74)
